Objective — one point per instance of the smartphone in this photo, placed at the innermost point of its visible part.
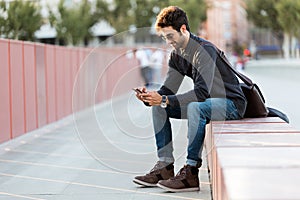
(137, 90)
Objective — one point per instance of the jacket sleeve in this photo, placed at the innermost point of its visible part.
(204, 65)
(172, 82)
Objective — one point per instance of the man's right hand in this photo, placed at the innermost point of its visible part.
(138, 95)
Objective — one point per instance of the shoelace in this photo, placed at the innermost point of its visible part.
(181, 174)
(157, 166)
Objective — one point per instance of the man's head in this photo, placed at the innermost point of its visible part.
(172, 25)
(171, 16)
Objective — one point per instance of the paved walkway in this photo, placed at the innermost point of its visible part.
(91, 155)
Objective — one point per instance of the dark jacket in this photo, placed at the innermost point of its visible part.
(211, 76)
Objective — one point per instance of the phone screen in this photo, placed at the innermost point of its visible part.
(137, 90)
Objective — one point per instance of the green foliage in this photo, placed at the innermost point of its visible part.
(73, 23)
(142, 13)
(289, 16)
(2, 19)
(277, 15)
(101, 11)
(20, 19)
(120, 15)
(263, 14)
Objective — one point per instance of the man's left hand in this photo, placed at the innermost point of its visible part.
(152, 97)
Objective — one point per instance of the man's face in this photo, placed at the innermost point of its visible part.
(172, 37)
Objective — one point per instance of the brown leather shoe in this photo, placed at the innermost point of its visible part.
(186, 180)
(161, 171)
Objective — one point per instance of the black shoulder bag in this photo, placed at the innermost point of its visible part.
(256, 106)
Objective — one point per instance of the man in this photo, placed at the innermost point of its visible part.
(216, 95)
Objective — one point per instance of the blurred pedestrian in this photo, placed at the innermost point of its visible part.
(240, 64)
(143, 56)
(157, 60)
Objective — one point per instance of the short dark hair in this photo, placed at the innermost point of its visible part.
(171, 16)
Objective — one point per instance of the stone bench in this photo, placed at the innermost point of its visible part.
(253, 159)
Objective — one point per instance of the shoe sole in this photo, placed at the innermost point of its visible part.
(193, 189)
(139, 182)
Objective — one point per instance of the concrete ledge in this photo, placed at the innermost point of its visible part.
(253, 159)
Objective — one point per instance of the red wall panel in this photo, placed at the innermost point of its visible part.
(101, 79)
(30, 87)
(90, 74)
(17, 88)
(60, 87)
(67, 81)
(74, 69)
(41, 84)
(50, 83)
(86, 87)
(80, 90)
(75, 65)
(5, 124)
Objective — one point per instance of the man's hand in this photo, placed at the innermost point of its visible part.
(152, 98)
(143, 90)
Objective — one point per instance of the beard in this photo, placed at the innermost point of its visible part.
(179, 43)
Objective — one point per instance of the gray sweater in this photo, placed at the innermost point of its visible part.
(212, 78)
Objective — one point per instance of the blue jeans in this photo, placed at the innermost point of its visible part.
(198, 115)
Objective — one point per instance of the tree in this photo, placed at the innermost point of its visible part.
(288, 16)
(280, 16)
(73, 23)
(146, 11)
(20, 19)
(101, 11)
(288, 21)
(142, 13)
(120, 15)
(264, 15)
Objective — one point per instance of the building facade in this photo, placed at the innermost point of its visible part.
(227, 24)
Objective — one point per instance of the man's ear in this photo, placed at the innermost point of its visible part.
(183, 28)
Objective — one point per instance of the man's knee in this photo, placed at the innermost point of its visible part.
(198, 109)
(193, 110)
(193, 107)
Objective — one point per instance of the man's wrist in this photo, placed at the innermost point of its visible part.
(163, 102)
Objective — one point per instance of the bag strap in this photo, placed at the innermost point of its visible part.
(244, 78)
